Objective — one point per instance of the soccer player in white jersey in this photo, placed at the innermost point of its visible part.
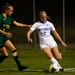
(47, 42)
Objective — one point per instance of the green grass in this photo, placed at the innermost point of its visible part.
(36, 60)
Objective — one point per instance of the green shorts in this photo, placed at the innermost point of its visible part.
(3, 39)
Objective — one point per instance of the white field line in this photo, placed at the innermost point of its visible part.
(69, 70)
(15, 70)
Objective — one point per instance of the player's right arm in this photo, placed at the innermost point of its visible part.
(30, 31)
(8, 34)
(28, 36)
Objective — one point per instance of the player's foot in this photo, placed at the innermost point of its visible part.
(21, 68)
(61, 70)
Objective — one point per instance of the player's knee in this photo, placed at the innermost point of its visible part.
(58, 58)
(60, 55)
(13, 49)
(6, 55)
(14, 53)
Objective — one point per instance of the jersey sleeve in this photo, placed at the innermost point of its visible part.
(52, 27)
(33, 27)
(12, 20)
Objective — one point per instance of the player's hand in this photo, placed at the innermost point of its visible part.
(30, 40)
(8, 34)
(64, 44)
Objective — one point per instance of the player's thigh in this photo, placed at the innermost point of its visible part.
(47, 52)
(55, 52)
(9, 45)
(4, 51)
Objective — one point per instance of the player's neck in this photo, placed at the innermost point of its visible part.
(43, 21)
(5, 15)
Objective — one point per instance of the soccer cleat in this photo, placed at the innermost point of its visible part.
(61, 70)
(21, 68)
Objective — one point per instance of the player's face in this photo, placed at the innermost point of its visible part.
(9, 11)
(43, 17)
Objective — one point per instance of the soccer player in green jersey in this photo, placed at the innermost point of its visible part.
(5, 22)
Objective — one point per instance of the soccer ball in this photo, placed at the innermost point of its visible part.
(54, 68)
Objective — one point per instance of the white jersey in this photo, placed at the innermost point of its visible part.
(44, 30)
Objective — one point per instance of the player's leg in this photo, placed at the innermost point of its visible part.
(49, 54)
(4, 54)
(56, 54)
(11, 47)
(3, 50)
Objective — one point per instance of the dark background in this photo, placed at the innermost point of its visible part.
(23, 12)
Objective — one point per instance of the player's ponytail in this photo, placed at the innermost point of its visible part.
(49, 18)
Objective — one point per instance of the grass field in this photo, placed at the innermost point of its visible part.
(36, 60)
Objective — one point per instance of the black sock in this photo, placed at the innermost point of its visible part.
(2, 57)
(16, 58)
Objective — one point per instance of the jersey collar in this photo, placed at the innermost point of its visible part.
(43, 22)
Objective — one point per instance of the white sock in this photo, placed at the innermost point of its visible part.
(53, 60)
(60, 56)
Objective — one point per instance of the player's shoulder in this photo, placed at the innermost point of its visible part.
(37, 23)
(50, 23)
(9, 17)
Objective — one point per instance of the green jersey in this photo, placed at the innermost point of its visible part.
(4, 25)
(5, 22)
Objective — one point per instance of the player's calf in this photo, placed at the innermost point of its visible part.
(2, 58)
(17, 60)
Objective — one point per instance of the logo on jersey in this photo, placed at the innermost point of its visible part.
(43, 29)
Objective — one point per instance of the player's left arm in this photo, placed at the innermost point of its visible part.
(21, 24)
(59, 38)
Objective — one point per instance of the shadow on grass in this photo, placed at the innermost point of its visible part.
(46, 71)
